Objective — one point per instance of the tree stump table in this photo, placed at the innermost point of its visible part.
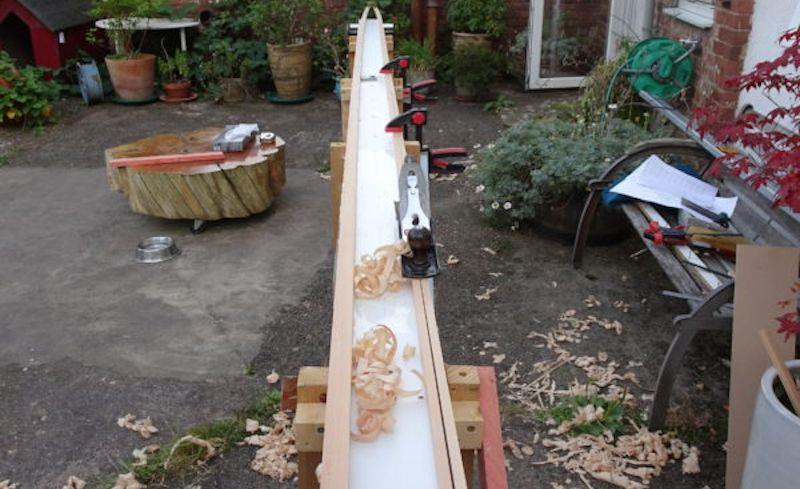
(245, 183)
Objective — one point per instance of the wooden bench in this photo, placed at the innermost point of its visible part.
(709, 294)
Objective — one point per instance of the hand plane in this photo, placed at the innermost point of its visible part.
(413, 215)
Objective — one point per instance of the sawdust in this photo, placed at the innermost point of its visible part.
(144, 427)
(128, 481)
(74, 483)
(276, 447)
(381, 272)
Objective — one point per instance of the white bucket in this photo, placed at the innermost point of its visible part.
(773, 454)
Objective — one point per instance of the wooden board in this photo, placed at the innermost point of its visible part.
(764, 277)
(244, 184)
(491, 458)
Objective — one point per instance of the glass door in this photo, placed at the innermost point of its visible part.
(567, 38)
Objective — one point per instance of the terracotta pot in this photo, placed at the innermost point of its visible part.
(233, 90)
(463, 38)
(291, 69)
(177, 90)
(133, 79)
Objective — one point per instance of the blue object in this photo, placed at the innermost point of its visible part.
(90, 83)
(611, 199)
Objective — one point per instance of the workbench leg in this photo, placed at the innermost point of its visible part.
(307, 476)
(468, 460)
(337, 174)
(289, 393)
(491, 459)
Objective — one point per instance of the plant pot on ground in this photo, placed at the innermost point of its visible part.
(132, 73)
(538, 170)
(475, 21)
(174, 72)
(474, 68)
(287, 26)
(423, 59)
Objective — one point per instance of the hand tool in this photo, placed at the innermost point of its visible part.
(399, 65)
(417, 116)
(419, 92)
(413, 215)
(720, 218)
(433, 160)
(724, 243)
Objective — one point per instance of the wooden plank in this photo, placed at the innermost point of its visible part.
(345, 90)
(337, 173)
(469, 424)
(309, 426)
(336, 447)
(190, 158)
(707, 279)
(491, 459)
(765, 276)
(468, 459)
(306, 476)
(312, 384)
(288, 393)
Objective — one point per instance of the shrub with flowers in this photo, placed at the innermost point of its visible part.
(543, 161)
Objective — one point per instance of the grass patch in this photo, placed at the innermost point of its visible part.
(699, 429)
(223, 434)
(498, 104)
(566, 410)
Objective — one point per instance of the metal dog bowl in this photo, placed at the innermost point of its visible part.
(156, 250)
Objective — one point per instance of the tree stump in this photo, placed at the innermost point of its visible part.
(246, 183)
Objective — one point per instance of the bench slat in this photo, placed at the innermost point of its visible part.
(674, 270)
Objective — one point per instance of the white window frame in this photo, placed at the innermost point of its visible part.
(699, 13)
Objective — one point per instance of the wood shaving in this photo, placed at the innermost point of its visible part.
(452, 260)
(486, 294)
(691, 463)
(489, 250)
(6, 484)
(624, 306)
(144, 427)
(498, 358)
(408, 352)
(251, 425)
(276, 447)
(273, 377)
(380, 272)
(210, 450)
(74, 483)
(518, 450)
(376, 382)
(496, 274)
(141, 454)
(128, 481)
(489, 344)
(592, 301)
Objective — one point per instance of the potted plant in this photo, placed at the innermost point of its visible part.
(330, 50)
(174, 72)
(287, 26)
(538, 170)
(423, 60)
(224, 74)
(475, 20)
(474, 68)
(132, 72)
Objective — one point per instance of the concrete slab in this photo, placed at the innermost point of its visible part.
(71, 287)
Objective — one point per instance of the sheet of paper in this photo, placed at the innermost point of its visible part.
(657, 182)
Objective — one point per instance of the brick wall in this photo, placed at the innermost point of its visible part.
(517, 12)
(722, 50)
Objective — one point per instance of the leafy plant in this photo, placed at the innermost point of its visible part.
(392, 11)
(477, 16)
(422, 56)
(612, 419)
(330, 48)
(770, 142)
(26, 96)
(285, 21)
(174, 68)
(122, 15)
(475, 67)
(542, 161)
(498, 104)
(227, 48)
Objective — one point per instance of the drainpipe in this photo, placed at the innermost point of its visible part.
(433, 21)
(417, 19)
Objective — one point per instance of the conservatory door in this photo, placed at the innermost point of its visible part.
(567, 38)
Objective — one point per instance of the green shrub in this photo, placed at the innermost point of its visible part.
(121, 13)
(285, 21)
(475, 67)
(422, 56)
(542, 161)
(477, 16)
(26, 96)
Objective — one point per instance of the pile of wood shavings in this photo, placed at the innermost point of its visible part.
(7, 484)
(629, 461)
(376, 382)
(144, 427)
(381, 272)
(276, 447)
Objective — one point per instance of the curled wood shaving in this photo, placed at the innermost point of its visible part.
(74, 483)
(486, 294)
(381, 272)
(273, 377)
(128, 481)
(518, 449)
(276, 447)
(144, 427)
(408, 352)
(592, 301)
(452, 260)
(251, 425)
(6, 484)
(141, 454)
(210, 450)
(376, 382)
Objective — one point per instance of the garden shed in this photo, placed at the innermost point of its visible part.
(44, 32)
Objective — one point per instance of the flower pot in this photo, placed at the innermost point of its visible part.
(133, 79)
(179, 90)
(463, 38)
(560, 220)
(291, 69)
(233, 90)
(772, 451)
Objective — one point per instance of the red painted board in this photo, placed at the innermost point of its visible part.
(491, 458)
(185, 158)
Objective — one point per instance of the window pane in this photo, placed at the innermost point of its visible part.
(573, 36)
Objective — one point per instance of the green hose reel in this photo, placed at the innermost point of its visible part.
(660, 66)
